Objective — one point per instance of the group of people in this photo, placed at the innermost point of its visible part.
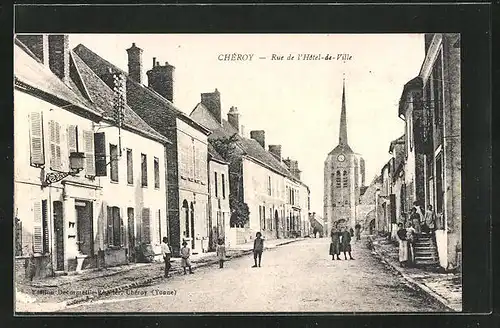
(185, 252)
(417, 224)
(341, 242)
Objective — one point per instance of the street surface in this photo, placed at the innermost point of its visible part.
(298, 277)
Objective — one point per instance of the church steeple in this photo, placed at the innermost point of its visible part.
(343, 119)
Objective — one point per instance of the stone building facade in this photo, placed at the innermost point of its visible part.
(187, 176)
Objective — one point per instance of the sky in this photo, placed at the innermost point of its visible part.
(296, 102)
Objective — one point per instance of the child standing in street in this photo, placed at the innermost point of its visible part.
(221, 252)
(165, 251)
(258, 247)
(185, 254)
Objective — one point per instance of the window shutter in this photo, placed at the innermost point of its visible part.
(146, 231)
(52, 137)
(110, 226)
(36, 139)
(37, 228)
(100, 154)
(88, 142)
(72, 136)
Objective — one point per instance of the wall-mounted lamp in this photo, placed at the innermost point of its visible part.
(75, 164)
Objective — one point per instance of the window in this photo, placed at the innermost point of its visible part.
(216, 185)
(144, 170)
(72, 132)
(113, 167)
(37, 155)
(345, 179)
(145, 226)
(223, 186)
(100, 154)
(260, 218)
(116, 232)
(157, 172)
(55, 145)
(271, 219)
(269, 186)
(130, 167)
(338, 180)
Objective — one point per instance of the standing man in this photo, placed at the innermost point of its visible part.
(165, 251)
(357, 231)
(415, 220)
(258, 248)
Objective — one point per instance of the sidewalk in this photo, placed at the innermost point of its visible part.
(444, 287)
(55, 293)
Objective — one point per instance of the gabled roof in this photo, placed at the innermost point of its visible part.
(31, 75)
(345, 149)
(395, 142)
(102, 95)
(249, 147)
(148, 104)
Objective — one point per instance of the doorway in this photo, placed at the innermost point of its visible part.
(192, 227)
(84, 227)
(59, 234)
(277, 222)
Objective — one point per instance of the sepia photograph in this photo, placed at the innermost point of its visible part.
(237, 173)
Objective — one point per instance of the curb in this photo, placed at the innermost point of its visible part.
(148, 281)
(412, 281)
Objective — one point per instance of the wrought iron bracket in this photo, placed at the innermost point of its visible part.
(53, 177)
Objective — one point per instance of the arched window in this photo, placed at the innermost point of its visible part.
(345, 179)
(338, 180)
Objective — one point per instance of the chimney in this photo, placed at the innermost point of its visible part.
(59, 55)
(259, 136)
(275, 150)
(135, 63)
(293, 167)
(211, 100)
(161, 79)
(233, 117)
(38, 44)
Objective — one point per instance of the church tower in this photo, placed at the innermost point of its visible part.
(343, 174)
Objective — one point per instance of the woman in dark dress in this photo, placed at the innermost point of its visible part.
(335, 244)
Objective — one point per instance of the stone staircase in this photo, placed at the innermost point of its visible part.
(426, 254)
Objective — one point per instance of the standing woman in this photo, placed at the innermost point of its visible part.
(403, 245)
(357, 231)
(335, 244)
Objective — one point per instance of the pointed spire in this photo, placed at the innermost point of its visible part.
(343, 118)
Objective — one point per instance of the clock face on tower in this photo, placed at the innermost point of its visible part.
(341, 158)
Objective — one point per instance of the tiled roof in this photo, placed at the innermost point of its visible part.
(249, 147)
(102, 95)
(33, 73)
(157, 111)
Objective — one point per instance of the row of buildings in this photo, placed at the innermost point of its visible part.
(425, 163)
(105, 164)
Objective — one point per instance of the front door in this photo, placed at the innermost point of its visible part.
(192, 227)
(84, 227)
(59, 235)
(277, 222)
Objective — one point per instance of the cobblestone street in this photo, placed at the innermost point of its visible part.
(296, 277)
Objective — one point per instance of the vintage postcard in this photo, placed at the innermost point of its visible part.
(228, 173)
